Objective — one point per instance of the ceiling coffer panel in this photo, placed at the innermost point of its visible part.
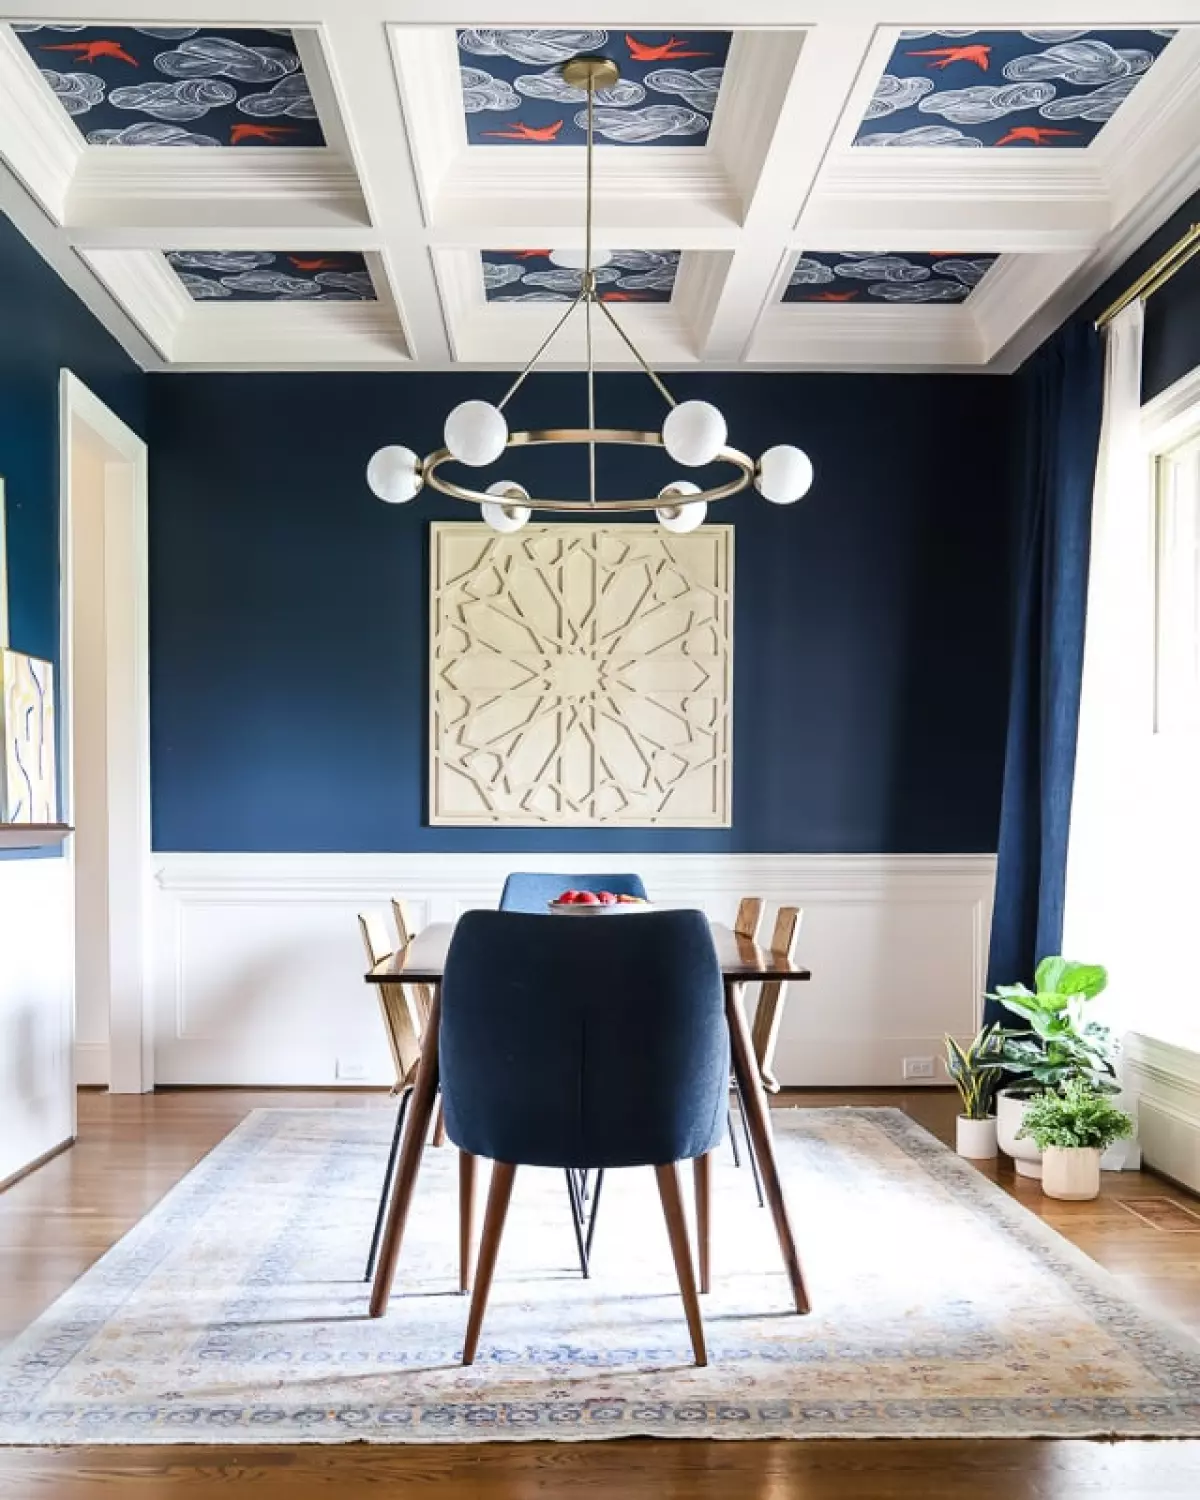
(513, 92)
(177, 85)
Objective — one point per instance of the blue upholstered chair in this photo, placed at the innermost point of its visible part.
(540, 1016)
(524, 892)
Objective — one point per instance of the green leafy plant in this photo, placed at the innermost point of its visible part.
(977, 1070)
(1079, 1115)
(1061, 1044)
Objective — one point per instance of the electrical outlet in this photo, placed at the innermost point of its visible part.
(918, 1067)
(349, 1068)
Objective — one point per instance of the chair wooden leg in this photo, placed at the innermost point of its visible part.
(681, 1250)
(439, 1124)
(499, 1194)
(466, 1219)
(386, 1191)
(702, 1173)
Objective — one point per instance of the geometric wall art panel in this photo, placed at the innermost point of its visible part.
(906, 276)
(28, 780)
(513, 94)
(581, 676)
(1055, 87)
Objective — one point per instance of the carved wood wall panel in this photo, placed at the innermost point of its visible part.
(581, 675)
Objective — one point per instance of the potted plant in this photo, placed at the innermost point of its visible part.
(1072, 1128)
(976, 1071)
(1060, 1045)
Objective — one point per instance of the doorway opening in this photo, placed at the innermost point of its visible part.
(105, 735)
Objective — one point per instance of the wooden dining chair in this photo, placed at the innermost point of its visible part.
(404, 1025)
(772, 997)
(422, 994)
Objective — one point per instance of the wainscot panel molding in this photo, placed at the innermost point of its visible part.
(257, 961)
(37, 1095)
(1163, 1081)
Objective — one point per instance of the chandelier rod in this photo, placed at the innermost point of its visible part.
(537, 354)
(589, 289)
(636, 352)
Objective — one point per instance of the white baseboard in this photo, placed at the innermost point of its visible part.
(1164, 1080)
(257, 962)
(91, 1065)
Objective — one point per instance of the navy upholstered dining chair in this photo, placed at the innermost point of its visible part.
(540, 1016)
(532, 892)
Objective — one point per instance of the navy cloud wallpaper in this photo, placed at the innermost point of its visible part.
(289, 610)
(273, 275)
(835, 276)
(513, 93)
(540, 276)
(177, 85)
(1053, 87)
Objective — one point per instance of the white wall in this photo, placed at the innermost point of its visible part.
(37, 1095)
(257, 962)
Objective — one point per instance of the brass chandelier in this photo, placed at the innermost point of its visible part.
(693, 434)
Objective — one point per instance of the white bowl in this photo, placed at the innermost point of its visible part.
(570, 909)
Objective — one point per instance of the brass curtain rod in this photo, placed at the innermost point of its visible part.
(1155, 276)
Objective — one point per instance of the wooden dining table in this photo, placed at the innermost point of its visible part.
(742, 962)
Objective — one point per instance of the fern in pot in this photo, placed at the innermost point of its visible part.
(1058, 1046)
(976, 1071)
(1072, 1130)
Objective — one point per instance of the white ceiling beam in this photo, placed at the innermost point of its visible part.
(813, 98)
(364, 83)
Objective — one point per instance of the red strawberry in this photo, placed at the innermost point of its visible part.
(607, 898)
(587, 898)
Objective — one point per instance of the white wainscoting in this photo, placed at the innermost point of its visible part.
(1162, 1080)
(37, 1094)
(257, 962)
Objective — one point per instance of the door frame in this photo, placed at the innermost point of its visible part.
(126, 746)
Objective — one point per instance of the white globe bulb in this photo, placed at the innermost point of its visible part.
(476, 433)
(681, 518)
(506, 517)
(394, 474)
(694, 433)
(784, 474)
(576, 260)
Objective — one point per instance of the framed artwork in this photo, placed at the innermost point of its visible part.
(581, 676)
(28, 777)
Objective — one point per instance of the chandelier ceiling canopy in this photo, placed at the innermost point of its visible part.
(693, 433)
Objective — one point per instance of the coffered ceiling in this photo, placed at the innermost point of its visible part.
(388, 184)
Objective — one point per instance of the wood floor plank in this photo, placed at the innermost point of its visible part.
(59, 1221)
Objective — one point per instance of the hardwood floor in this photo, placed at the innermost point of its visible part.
(57, 1222)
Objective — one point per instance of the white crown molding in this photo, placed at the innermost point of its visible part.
(37, 139)
(1012, 294)
(145, 285)
(805, 337)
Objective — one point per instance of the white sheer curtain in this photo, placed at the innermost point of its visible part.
(1100, 923)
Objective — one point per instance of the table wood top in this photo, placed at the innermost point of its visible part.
(742, 962)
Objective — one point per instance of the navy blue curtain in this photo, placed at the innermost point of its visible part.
(1063, 396)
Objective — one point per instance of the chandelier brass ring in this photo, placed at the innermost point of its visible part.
(588, 436)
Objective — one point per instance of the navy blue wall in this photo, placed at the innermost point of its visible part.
(1171, 346)
(44, 328)
(289, 610)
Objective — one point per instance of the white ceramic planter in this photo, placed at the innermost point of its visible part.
(976, 1139)
(1010, 1113)
(1071, 1172)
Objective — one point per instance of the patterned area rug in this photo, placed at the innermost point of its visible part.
(235, 1311)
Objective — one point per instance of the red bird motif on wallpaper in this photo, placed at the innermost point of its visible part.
(319, 264)
(834, 297)
(623, 297)
(90, 52)
(241, 133)
(519, 132)
(978, 54)
(531, 254)
(661, 52)
(1037, 135)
